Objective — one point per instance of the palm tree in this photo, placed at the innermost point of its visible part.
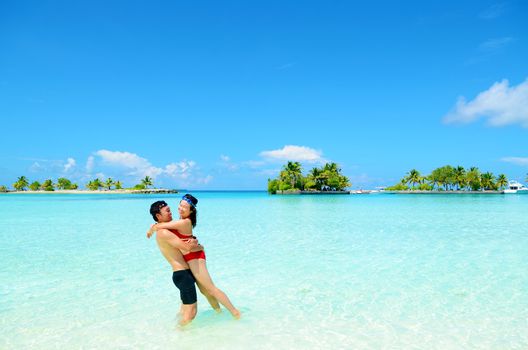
(460, 177)
(34, 186)
(413, 176)
(94, 185)
(486, 180)
(118, 185)
(315, 176)
(344, 182)
(294, 172)
(47, 185)
(109, 183)
(332, 167)
(435, 178)
(332, 177)
(147, 181)
(502, 181)
(63, 183)
(21, 184)
(473, 178)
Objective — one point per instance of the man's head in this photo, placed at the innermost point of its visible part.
(160, 211)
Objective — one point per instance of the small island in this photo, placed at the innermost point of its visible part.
(449, 179)
(95, 186)
(324, 180)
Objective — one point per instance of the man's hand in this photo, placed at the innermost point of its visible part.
(151, 230)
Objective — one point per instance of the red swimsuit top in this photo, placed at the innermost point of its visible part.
(192, 255)
(182, 236)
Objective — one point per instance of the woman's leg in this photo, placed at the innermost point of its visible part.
(199, 270)
(211, 299)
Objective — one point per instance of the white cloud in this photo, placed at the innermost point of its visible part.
(286, 66)
(516, 160)
(228, 164)
(181, 170)
(70, 163)
(294, 153)
(139, 166)
(126, 159)
(90, 164)
(187, 173)
(36, 167)
(495, 44)
(204, 180)
(493, 11)
(255, 164)
(269, 172)
(500, 104)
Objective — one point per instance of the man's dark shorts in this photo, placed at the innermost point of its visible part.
(184, 280)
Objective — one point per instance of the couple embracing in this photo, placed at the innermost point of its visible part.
(186, 257)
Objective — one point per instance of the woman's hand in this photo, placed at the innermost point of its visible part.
(151, 230)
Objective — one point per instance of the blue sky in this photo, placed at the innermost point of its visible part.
(220, 94)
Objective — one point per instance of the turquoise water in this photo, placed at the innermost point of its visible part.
(362, 272)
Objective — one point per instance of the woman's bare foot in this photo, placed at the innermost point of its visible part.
(236, 314)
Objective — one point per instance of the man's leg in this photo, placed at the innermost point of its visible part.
(184, 280)
(188, 313)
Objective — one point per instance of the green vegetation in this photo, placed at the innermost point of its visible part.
(109, 183)
(147, 181)
(63, 183)
(326, 178)
(47, 185)
(448, 178)
(21, 184)
(34, 186)
(94, 185)
(140, 186)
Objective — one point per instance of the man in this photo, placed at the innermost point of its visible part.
(169, 245)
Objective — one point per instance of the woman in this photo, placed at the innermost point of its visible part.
(195, 258)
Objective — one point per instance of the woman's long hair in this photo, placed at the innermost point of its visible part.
(194, 211)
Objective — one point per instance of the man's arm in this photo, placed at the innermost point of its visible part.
(174, 241)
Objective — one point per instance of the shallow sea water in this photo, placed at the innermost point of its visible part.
(308, 272)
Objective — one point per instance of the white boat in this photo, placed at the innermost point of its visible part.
(516, 187)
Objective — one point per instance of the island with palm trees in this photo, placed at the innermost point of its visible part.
(325, 180)
(64, 185)
(449, 179)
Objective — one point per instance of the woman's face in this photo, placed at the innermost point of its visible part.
(184, 209)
